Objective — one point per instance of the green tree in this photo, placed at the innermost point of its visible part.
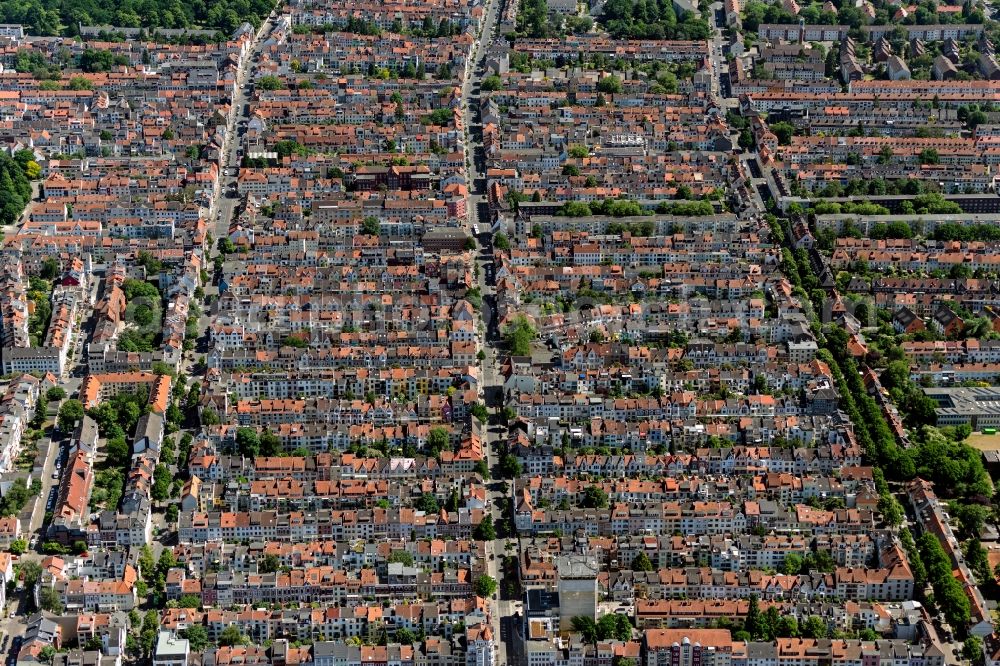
(972, 649)
(623, 628)
(197, 637)
(482, 469)
(404, 557)
(142, 315)
(788, 627)
(753, 622)
(100, 60)
(486, 586)
(485, 531)
(269, 563)
(586, 627)
(269, 83)
(70, 412)
(270, 444)
(147, 565)
(610, 84)
(971, 517)
(371, 226)
(225, 245)
(117, 451)
(166, 562)
(814, 627)
(594, 497)
(438, 439)
(248, 442)
(30, 573)
(150, 628)
(79, 83)
(783, 131)
(519, 335)
(231, 636)
(606, 627)
(929, 156)
(189, 601)
(792, 564)
(405, 637)
(576, 209)
(161, 483)
(50, 600)
(978, 560)
(491, 83)
(427, 503)
(770, 623)
(641, 563)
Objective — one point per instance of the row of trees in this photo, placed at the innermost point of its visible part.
(45, 17)
(871, 430)
(16, 174)
(938, 455)
(651, 19)
(973, 232)
(609, 627)
(850, 207)
(955, 468)
(628, 208)
(948, 592)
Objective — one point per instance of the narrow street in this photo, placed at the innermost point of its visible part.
(224, 204)
(474, 73)
(239, 115)
(717, 56)
(506, 623)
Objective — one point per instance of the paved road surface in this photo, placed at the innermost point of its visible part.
(503, 616)
(230, 162)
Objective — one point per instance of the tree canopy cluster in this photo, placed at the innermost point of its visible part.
(948, 592)
(854, 207)
(629, 208)
(16, 174)
(973, 232)
(955, 468)
(250, 444)
(16, 497)
(100, 60)
(46, 17)
(534, 20)
(518, 337)
(609, 627)
(118, 415)
(651, 19)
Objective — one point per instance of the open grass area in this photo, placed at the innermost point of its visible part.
(984, 442)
